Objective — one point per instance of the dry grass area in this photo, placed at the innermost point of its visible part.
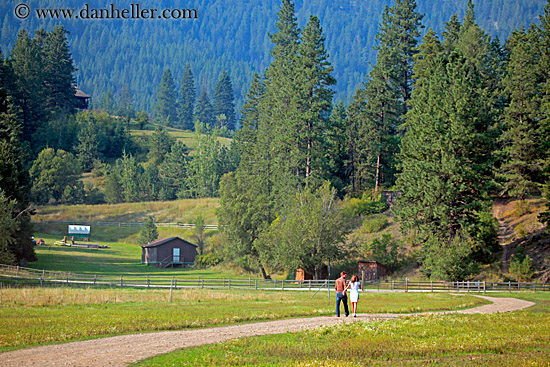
(517, 219)
(177, 211)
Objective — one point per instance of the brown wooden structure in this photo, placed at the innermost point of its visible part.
(372, 270)
(82, 99)
(172, 251)
(301, 274)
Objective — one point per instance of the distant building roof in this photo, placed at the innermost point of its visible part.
(80, 94)
(165, 240)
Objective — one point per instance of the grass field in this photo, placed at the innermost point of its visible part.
(41, 315)
(186, 137)
(512, 339)
(177, 211)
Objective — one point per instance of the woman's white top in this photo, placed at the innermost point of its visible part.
(354, 291)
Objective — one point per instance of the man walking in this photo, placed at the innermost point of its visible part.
(340, 287)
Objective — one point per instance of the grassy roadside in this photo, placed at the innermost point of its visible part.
(509, 339)
(38, 316)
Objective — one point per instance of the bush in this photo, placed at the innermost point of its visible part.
(522, 269)
(366, 205)
(521, 208)
(207, 260)
(375, 223)
(385, 250)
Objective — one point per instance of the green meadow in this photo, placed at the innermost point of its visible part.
(32, 316)
(520, 338)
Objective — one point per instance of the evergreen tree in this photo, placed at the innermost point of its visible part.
(149, 231)
(8, 227)
(166, 108)
(26, 61)
(129, 171)
(377, 112)
(523, 157)
(204, 112)
(113, 189)
(125, 105)
(223, 101)
(314, 98)
(159, 145)
(187, 99)
(173, 172)
(58, 72)
(445, 164)
(14, 184)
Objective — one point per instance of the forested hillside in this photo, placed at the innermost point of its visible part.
(233, 35)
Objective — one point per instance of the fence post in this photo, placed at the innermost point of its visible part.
(283, 285)
(509, 286)
(406, 284)
(95, 278)
(147, 281)
(275, 283)
(202, 284)
(171, 285)
(309, 285)
(484, 287)
(256, 284)
(432, 285)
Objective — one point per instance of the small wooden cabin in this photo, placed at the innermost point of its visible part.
(172, 251)
(372, 270)
(82, 99)
(301, 274)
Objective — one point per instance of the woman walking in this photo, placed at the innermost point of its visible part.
(354, 286)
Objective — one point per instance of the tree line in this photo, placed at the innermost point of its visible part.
(185, 110)
(449, 122)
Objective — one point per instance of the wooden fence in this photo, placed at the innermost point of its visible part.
(16, 276)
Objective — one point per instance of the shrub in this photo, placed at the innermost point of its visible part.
(521, 208)
(375, 223)
(385, 250)
(521, 269)
(207, 260)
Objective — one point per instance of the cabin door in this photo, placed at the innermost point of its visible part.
(176, 255)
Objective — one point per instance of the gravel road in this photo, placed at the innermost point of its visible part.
(121, 350)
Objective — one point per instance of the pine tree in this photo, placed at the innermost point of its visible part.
(223, 101)
(166, 108)
(26, 61)
(58, 78)
(14, 184)
(446, 160)
(204, 112)
(149, 231)
(246, 137)
(524, 159)
(159, 145)
(188, 95)
(386, 94)
(314, 81)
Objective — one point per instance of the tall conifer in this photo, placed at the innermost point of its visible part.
(188, 95)
(223, 101)
(166, 108)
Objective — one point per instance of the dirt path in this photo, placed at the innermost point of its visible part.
(121, 350)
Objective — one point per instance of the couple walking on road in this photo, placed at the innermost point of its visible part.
(341, 288)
